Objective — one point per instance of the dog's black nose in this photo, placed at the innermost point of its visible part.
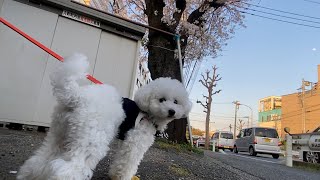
(171, 112)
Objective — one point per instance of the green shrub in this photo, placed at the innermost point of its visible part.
(167, 145)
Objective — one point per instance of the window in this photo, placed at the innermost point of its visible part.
(226, 136)
(268, 118)
(215, 136)
(248, 132)
(265, 132)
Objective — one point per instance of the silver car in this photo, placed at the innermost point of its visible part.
(223, 140)
(258, 140)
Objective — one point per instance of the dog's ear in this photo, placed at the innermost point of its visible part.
(142, 98)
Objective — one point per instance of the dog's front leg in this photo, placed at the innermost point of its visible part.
(127, 159)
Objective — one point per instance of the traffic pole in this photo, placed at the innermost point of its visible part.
(288, 150)
(177, 37)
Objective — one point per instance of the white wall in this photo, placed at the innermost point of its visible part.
(25, 91)
(1, 2)
(70, 36)
(22, 64)
(116, 62)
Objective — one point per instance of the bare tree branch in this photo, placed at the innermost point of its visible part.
(211, 80)
(207, 73)
(205, 96)
(216, 92)
(217, 77)
(203, 83)
(204, 105)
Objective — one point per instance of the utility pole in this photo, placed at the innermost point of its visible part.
(209, 82)
(303, 116)
(237, 103)
(303, 104)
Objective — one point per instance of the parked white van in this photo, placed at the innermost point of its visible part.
(258, 140)
(223, 140)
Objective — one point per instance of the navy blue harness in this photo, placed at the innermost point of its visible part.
(131, 110)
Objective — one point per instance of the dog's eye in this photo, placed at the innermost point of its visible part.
(175, 101)
(162, 99)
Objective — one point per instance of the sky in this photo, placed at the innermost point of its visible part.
(264, 59)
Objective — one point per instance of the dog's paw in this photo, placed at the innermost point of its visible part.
(135, 178)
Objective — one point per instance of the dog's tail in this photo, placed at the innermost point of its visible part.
(64, 79)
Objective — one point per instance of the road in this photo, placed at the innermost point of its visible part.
(263, 166)
(159, 163)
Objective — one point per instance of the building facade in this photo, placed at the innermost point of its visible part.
(111, 6)
(301, 110)
(270, 112)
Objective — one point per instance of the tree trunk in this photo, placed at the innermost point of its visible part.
(161, 59)
(207, 143)
(161, 63)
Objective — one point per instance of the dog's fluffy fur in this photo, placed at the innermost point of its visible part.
(87, 118)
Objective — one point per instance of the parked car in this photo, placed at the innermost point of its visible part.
(308, 145)
(201, 141)
(195, 138)
(223, 140)
(258, 140)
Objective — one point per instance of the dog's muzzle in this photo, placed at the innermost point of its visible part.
(171, 113)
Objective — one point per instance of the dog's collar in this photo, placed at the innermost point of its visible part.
(145, 116)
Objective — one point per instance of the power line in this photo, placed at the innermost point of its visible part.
(315, 2)
(307, 107)
(317, 27)
(195, 76)
(296, 14)
(214, 114)
(316, 22)
(230, 103)
(286, 117)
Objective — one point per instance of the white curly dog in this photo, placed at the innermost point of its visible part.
(87, 118)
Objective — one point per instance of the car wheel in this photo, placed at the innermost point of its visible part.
(275, 156)
(311, 157)
(231, 150)
(252, 152)
(235, 150)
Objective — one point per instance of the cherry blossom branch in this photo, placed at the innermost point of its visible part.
(195, 16)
